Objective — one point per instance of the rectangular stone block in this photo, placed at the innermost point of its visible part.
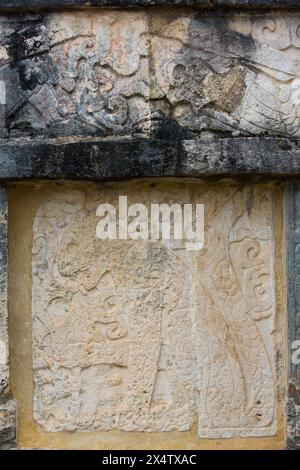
(143, 335)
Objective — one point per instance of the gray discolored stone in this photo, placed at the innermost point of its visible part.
(108, 159)
(44, 4)
(175, 74)
(7, 406)
(7, 424)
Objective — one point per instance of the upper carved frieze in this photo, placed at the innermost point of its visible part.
(8, 5)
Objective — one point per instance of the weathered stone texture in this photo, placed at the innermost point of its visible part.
(91, 159)
(141, 335)
(150, 72)
(4, 373)
(50, 4)
(293, 232)
(7, 424)
(7, 406)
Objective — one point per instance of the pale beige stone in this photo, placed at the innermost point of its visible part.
(140, 335)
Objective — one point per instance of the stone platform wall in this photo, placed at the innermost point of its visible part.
(119, 344)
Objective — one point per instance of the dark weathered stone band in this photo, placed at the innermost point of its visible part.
(7, 405)
(48, 4)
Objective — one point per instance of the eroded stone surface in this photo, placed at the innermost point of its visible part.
(7, 406)
(7, 424)
(141, 335)
(167, 73)
(51, 4)
(4, 371)
(293, 239)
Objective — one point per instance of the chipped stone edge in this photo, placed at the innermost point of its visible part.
(7, 405)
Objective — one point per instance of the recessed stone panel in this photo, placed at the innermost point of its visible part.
(147, 336)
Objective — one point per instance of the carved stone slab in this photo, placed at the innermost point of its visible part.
(142, 335)
(4, 372)
(136, 72)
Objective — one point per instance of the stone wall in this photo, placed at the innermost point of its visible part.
(7, 405)
(123, 344)
(150, 72)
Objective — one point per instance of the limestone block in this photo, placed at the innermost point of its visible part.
(159, 72)
(139, 335)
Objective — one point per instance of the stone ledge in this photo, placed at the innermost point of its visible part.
(10, 5)
(116, 158)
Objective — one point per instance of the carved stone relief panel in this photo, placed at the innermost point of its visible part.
(293, 266)
(4, 369)
(167, 73)
(142, 335)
